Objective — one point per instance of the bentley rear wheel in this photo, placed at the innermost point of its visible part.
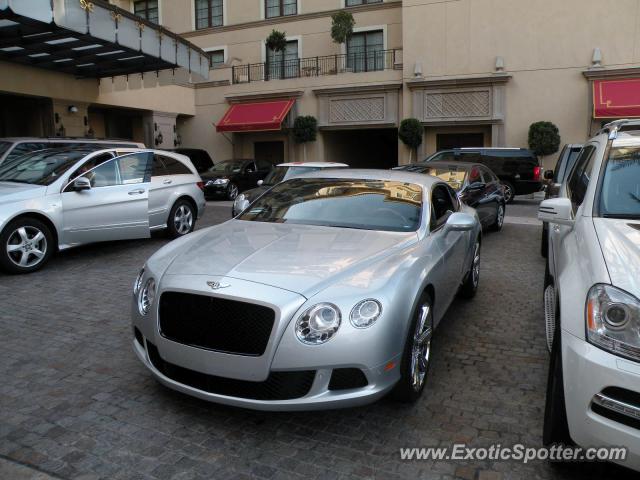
(416, 358)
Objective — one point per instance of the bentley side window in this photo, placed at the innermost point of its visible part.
(441, 206)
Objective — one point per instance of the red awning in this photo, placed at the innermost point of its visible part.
(616, 98)
(255, 117)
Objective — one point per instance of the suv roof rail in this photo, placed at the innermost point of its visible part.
(616, 126)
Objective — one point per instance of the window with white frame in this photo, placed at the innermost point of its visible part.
(280, 8)
(209, 13)
(284, 64)
(365, 51)
(147, 9)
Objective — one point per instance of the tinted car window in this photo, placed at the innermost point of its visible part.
(228, 166)
(443, 157)
(472, 157)
(89, 164)
(349, 203)
(581, 175)
(441, 206)
(567, 164)
(174, 167)
(620, 192)
(158, 169)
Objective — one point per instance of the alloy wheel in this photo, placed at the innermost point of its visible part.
(475, 268)
(27, 246)
(183, 220)
(421, 349)
(508, 193)
(233, 192)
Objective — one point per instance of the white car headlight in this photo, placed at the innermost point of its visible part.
(365, 313)
(221, 181)
(613, 321)
(318, 324)
(138, 283)
(146, 296)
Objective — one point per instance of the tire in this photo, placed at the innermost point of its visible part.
(509, 192)
(182, 219)
(232, 191)
(414, 374)
(24, 237)
(556, 427)
(470, 286)
(544, 241)
(497, 225)
(550, 308)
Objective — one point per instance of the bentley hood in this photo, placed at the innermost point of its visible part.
(300, 258)
(620, 242)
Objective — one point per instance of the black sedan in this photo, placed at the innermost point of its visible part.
(228, 178)
(477, 186)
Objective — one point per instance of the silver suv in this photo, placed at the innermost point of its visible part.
(59, 198)
(14, 147)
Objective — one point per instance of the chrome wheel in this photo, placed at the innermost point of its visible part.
(500, 217)
(233, 192)
(183, 219)
(508, 192)
(475, 268)
(27, 246)
(421, 348)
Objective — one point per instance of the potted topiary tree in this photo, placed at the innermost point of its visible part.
(275, 42)
(410, 132)
(305, 129)
(342, 24)
(544, 138)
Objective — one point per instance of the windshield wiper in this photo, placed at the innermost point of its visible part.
(628, 216)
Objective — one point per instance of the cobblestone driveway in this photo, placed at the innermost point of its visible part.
(76, 403)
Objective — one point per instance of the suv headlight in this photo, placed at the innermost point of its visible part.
(365, 313)
(221, 181)
(138, 283)
(613, 321)
(146, 296)
(318, 324)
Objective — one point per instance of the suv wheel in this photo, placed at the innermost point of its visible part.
(181, 219)
(509, 192)
(26, 245)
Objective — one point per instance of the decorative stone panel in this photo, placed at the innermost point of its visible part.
(356, 109)
(363, 106)
(469, 104)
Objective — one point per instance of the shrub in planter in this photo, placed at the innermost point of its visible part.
(276, 41)
(410, 133)
(305, 129)
(544, 138)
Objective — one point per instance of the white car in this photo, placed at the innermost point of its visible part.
(592, 297)
(55, 199)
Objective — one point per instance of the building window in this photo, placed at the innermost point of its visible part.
(217, 58)
(280, 8)
(353, 3)
(284, 64)
(209, 13)
(365, 51)
(147, 9)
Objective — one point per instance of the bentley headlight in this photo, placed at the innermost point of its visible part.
(365, 313)
(318, 324)
(613, 321)
(138, 283)
(146, 296)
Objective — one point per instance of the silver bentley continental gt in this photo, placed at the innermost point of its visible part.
(324, 293)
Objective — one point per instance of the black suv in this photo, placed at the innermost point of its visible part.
(518, 169)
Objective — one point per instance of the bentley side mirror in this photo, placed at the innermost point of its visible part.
(260, 182)
(460, 222)
(556, 210)
(548, 175)
(81, 183)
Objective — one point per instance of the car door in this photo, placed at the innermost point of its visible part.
(575, 188)
(159, 192)
(450, 244)
(116, 207)
(250, 175)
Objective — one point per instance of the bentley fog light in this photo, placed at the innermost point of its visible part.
(365, 313)
(138, 283)
(147, 296)
(613, 321)
(318, 324)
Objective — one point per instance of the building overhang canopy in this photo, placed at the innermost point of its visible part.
(92, 39)
(616, 98)
(260, 116)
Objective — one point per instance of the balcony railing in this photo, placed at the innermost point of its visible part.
(316, 66)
